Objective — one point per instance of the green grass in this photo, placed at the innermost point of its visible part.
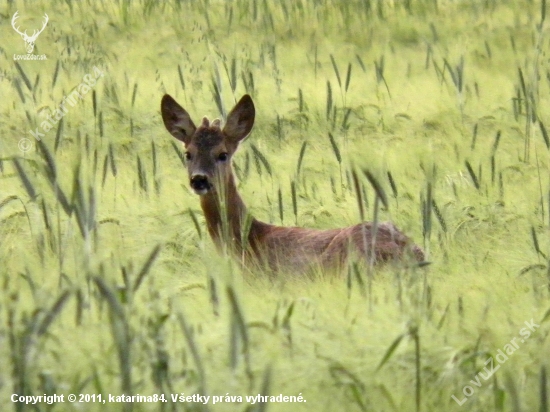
(109, 283)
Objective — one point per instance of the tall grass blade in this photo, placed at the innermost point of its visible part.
(348, 77)
(182, 81)
(427, 213)
(281, 208)
(329, 100)
(110, 297)
(146, 267)
(17, 86)
(100, 123)
(156, 180)
(239, 329)
(472, 175)
(196, 223)
(377, 187)
(10, 199)
(51, 169)
(392, 184)
(134, 93)
(413, 332)
(360, 61)
(55, 73)
(23, 76)
(279, 128)
(474, 137)
(58, 134)
(439, 216)
(94, 103)
(212, 287)
(513, 394)
(105, 169)
(53, 313)
(112, 160)
(345, 124)
(357, 187)
(260, 156)
(141, 175)
(443, 317)
(389, 352)
(264, 391)
(294, 201)
(496, 142)
(544, 134)
(543, 385)
(233, 78)
(301, 157)
(336, 70)
(217, 91)
(285, 324)
(180, 154)
(335, 148)
(523, 86)
(536, 242)
(25, 179)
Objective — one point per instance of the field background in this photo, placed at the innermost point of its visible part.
(109, 283)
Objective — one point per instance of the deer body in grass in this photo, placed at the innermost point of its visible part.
(209, 149)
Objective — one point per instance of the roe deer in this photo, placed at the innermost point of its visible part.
(209, 149)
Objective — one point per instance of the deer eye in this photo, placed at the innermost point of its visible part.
(222, 157)
(188, 155)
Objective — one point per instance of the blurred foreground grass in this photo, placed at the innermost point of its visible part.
(109, 287)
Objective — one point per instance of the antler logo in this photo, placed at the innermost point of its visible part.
(29, 40)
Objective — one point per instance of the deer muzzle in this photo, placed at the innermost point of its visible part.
(200, 184)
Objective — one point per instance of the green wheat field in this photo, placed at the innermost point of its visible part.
(110, 284)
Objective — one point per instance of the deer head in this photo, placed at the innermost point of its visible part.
(29, 40)
(209, 148)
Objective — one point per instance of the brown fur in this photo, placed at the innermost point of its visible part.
(291, 249)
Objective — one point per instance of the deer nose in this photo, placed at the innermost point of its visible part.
(200, 183)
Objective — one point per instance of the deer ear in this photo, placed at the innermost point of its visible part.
(240, 120)
(176, 120)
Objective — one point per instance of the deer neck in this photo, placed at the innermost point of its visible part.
(214, 206)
